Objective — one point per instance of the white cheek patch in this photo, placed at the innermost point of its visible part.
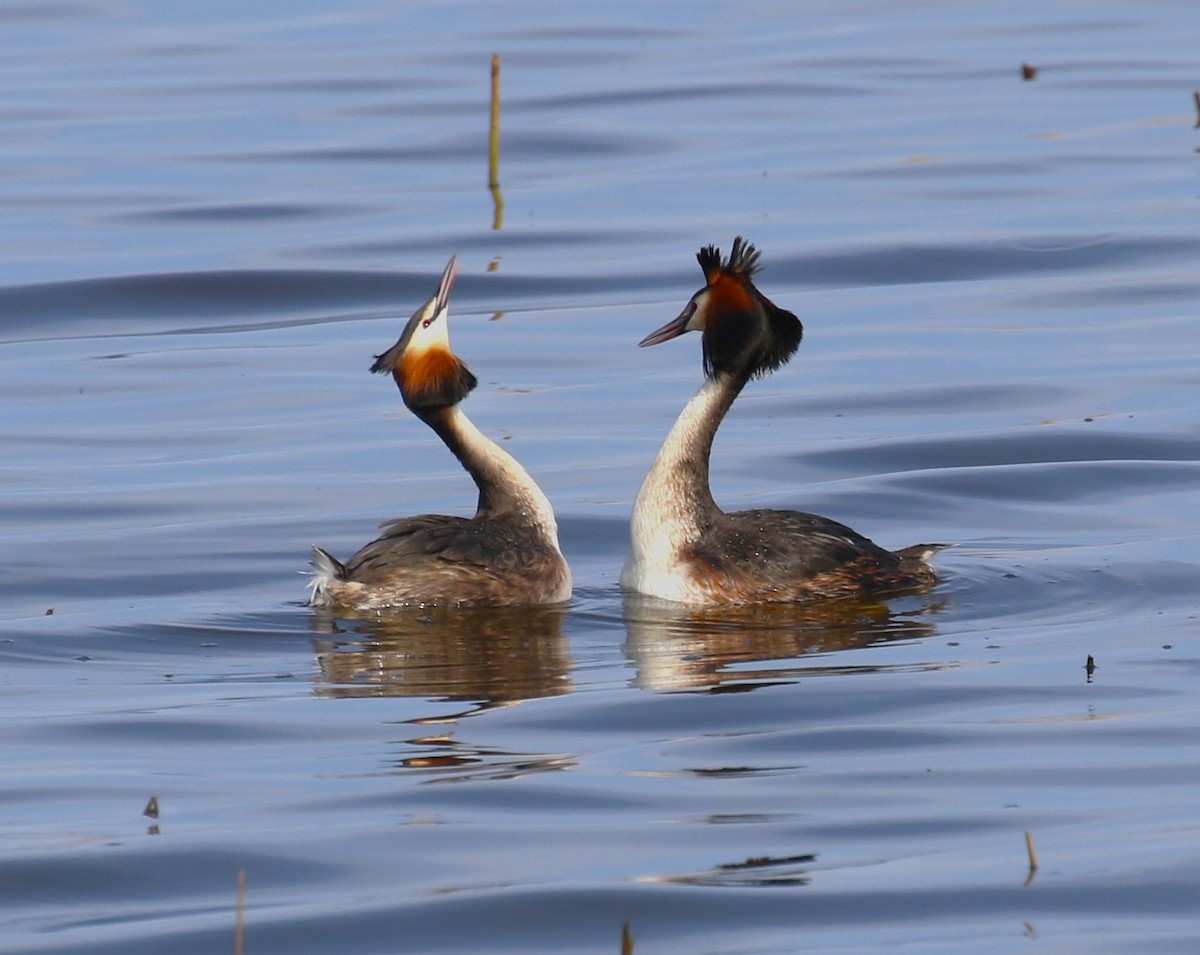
(695, 322)
(434, 335)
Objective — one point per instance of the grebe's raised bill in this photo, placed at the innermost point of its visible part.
(507, 554)
(687, 549)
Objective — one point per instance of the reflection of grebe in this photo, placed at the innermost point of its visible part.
(676, 647)
(506, 554)
(684, 547)
(490, 655)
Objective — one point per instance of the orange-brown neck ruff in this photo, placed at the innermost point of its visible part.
(433, 378)
(727, 295)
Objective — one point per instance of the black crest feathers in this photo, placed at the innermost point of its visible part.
(742, 262)
(385, 364)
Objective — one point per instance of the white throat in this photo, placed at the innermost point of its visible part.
(675, 502)
(494, 467)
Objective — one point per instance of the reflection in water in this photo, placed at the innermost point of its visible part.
(452, 761)
(677, 647)
(757, 872)
(496, 655)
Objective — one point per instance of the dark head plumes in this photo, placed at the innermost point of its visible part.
(747, 333)
(386, 363)
(742, 262)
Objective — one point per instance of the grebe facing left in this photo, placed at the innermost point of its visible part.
(684, 547)
(507, 554)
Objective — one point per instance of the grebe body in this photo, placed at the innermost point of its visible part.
(507, 554)
(683, 546)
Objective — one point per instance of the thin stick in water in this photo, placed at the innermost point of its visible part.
(494, 147)
(494, 127)
(239, 920)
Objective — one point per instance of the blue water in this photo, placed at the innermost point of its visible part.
(215, 215)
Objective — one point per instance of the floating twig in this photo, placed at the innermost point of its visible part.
(626, 939)
(1028, 72)
(1090, 667)
(151, 809)
(1032, 850)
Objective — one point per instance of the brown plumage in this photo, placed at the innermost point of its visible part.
(684, 547)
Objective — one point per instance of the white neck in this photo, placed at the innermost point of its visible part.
(675, 503)
(504, 486)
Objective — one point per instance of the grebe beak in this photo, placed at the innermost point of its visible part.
(673, 329)
(442, 298)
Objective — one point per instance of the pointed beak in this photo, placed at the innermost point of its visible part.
(442, 298)
(673, 329)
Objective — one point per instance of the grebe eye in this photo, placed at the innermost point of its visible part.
(427, 323)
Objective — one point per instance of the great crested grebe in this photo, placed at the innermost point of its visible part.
(684, 547)
(507, 554)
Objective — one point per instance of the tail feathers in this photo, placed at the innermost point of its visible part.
(326, 570)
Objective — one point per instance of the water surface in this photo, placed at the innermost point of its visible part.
(215, 216)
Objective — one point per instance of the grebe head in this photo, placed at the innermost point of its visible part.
(427, 373)
(744, 333)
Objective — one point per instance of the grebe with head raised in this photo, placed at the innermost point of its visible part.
(507, 554)
(684, 547)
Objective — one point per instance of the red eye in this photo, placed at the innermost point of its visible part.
(427, 323)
